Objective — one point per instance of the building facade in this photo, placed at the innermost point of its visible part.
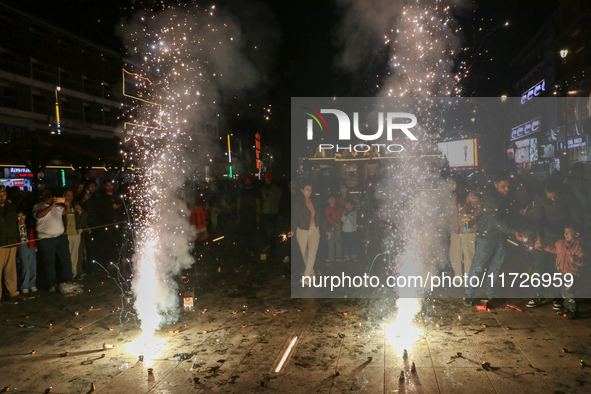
(48, 74)
(549, 135)
(57, 83)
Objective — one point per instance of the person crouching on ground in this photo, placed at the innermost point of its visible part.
(570, 258)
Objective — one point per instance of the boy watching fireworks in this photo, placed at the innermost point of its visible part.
(570, 257)
(349, 227)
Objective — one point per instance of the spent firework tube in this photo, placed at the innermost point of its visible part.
(107, 346)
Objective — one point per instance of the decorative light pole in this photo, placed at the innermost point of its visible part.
(562, 108)
(57, 112)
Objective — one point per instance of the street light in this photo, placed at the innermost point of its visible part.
(563, 86)
(57, 111)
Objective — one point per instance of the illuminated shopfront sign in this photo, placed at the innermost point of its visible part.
(534, 91)
(527, 150)
(578, 142)
(527, 128)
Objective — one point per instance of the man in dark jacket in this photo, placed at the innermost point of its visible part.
(8, 239)
(554, 209)
(495, 224)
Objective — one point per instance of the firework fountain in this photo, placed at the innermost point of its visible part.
(421, 42)
(188, 57)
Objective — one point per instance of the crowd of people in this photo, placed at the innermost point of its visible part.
(66, 234)
(550, 216)
(252, 212)
(259, 214)
(336, 220)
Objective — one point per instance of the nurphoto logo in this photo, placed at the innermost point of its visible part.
(395, 121)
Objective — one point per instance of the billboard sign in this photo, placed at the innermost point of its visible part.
(462, 153)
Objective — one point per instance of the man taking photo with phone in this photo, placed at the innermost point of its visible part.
(53, 242)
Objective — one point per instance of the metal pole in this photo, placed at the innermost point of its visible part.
(57, 111)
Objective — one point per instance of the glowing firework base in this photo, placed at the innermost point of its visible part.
(235, 342)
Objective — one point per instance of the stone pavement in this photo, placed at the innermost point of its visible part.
(244, 319)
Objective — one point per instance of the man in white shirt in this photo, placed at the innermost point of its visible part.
(53, 242)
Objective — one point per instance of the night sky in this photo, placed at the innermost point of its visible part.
(304, 61)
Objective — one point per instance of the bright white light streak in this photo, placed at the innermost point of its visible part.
(217, 239)
(286, 354)
(403, 333)
(146, 283)
(147, 345)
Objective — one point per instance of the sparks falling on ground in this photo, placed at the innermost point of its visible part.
(420, 42)
(171, 92)
(424, 45)
(187, 57)
(403, 333)
(148, 346)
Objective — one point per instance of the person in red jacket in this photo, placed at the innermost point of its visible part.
(199, 218)
(570, 258)
(333, 217)
(27, 253)
(345, 196)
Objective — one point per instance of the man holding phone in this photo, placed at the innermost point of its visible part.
(54, 241)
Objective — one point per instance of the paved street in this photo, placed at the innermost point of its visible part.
(243, 321)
